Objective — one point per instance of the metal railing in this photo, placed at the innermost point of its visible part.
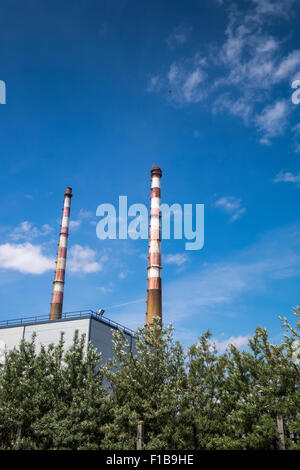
(64, 316)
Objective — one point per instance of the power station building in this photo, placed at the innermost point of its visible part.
(97, 329)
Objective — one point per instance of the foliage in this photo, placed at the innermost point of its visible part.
(146, 385)
(51, 399)
(56, 399)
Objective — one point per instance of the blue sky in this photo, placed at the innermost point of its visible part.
(89, 106)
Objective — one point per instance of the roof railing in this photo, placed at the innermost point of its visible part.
(64, 316)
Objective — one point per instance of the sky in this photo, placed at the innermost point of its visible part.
(99, 91)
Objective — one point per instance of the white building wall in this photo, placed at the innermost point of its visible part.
(97, 332)
(46, 333)
(50, 332)
(9, 338)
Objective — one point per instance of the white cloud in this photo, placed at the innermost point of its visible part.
(273, 120)
(272, 8)
(178, 259)
(25, 258)
(218, 289)
(237, 107)
(82, 259)
(83, 214)
(179, 36)
(232, 206)
(288, 66)
(104, 289)
(239, 74)
(296, 129)
(238, 341)
(155, 84)
(186, 80)
(287, 177)
(274, 257)
(74, 224)
(27, 231)
(190, 86)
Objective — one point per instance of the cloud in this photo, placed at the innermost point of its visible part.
(272, 8)
(239, 74)
(238, 341)
(74, 224)
(232, 206)
(179, 36)
(186, 80)
(288, 66)
(155, 84)
(83, 214)
(178, 259)
(214, 286)
(296, 129)
(104, 289)
(82, 260)
(273, 120)
(190, 86)
(27, 231)
(218, 289)
(236, 107)
(25, 258)
(287, 177)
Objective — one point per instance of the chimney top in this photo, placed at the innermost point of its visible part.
(68, 191)
(156, 170)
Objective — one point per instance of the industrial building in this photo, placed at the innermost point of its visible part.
(97, 329)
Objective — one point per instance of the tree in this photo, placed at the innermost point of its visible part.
(146, 383)
(239, 399)
(57, 399)
(204, 412)
(51, 399)
(292, 345)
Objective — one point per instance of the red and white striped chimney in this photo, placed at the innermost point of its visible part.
(59, 279)
(154, 302)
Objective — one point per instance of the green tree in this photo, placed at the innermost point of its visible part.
(292, 345)
(204, 412)
(236, 400)
(262, 386)
(51, 399)
(147, 382)
(57, 399)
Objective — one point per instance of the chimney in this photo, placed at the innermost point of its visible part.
(154, 307)
(59, 279)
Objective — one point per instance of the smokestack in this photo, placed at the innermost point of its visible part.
(154, 308)
(59, 279)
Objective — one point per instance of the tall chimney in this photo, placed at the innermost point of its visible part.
(154, 307)
(59, 279)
